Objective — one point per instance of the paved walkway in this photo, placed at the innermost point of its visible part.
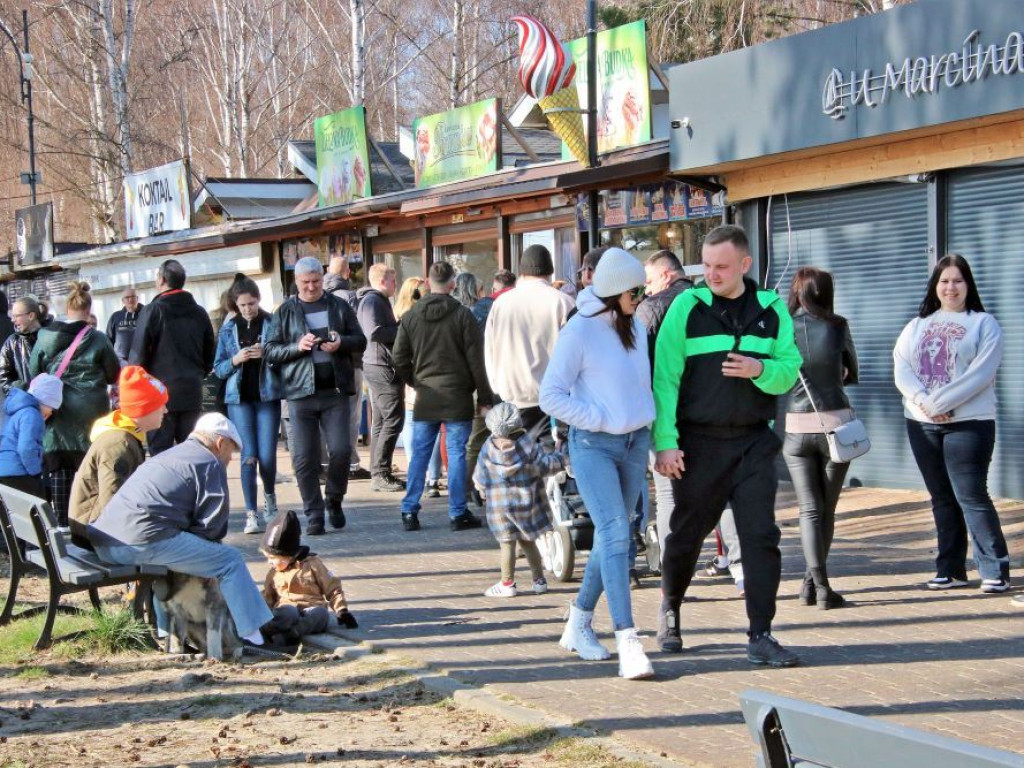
(946, 662)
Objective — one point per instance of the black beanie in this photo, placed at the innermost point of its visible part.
(284, 535)
(536, 262)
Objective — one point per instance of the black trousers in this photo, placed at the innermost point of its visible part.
(295, 623)
(175, 429)
(327, 411)
(818, 481)
(739, 471)
(388, 400)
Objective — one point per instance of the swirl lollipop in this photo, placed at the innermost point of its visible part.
(547, 70)
(544, 64)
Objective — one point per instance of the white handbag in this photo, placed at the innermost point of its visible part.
(847, 441)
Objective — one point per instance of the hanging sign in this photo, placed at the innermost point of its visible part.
(457, 145)
(33, 227)
(623, 85)
(157, 200)
(342, 157)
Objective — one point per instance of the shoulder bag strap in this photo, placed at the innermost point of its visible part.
(807, 389)
(70, 352)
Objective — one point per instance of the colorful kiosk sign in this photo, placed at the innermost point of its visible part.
(623, 85)
(651, 204)
(457, 145)
(157, 200)
(342, 157)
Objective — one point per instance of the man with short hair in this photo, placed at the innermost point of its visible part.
(17, 348)
(174, 342)
(438, 353)
(521, 332)
(712, 436)
(173, 511)
(338, 281)
(387, 393)
(504, 281)
(312, 338)
(121, 326)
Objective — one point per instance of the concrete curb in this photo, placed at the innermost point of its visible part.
(438, 680)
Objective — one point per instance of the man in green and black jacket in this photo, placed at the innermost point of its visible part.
(724, 353)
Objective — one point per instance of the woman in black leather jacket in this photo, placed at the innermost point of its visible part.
(830, 363)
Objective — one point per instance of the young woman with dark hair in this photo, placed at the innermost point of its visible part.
(599, 383)
(252, 396)
(829, 364)
(946, 362)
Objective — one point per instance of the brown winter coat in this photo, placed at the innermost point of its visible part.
(306, 584)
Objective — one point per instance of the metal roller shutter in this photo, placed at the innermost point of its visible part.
(985, 218)
(874, 241)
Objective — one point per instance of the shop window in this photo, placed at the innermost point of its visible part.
(405, 263)
(560, 242)
(480, 257)
(683, 238)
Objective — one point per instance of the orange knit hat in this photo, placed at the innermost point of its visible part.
(138, 392)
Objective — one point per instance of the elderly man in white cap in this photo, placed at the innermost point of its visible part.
(173, 511)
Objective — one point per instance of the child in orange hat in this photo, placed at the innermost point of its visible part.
(118, 447)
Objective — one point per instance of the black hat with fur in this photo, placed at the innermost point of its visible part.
(284, 536)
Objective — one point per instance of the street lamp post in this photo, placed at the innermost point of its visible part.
(594, 235)
(25, 72)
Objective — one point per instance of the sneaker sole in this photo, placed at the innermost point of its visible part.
(774, 664)
(955, 584)
(671, 646)
(995, 590)
(607, 654)
(645, 675)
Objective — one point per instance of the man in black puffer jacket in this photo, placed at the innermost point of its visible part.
(439, 352)
(665, 281)
(174, 342)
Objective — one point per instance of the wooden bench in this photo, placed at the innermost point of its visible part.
(34, 540)
(797, 734)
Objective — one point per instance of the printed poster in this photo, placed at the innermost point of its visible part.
(623, 86)
(342, 157)
(457, 145)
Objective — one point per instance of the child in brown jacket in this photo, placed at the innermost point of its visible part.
(299, 588)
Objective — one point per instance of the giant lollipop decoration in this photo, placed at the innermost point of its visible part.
(546, 71)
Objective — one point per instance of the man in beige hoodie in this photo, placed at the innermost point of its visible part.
(521, 332)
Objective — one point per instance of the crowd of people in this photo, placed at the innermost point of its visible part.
(633, 373)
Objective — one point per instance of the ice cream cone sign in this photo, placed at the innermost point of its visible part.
(546, 71)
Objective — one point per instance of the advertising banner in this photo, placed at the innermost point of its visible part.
(651, 203)
(157, 200)
(457, 145)
(33, 228)
(623, 85)
(342, 157)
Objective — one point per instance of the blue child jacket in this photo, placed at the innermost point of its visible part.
(21, 442)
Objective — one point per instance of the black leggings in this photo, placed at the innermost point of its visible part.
(818, 481)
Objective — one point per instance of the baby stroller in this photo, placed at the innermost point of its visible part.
(573, 528)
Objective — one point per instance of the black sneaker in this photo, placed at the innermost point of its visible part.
(359, 473)
(336, 514)
(315, 528)
(634, 579)
(669, 638)
(477, 497)
(765, 649)
(410, 522)
(465, 521)
(387, 484)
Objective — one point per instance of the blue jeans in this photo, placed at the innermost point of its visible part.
(610, 472)
(189, 554)
(434, 468)
(954, 459)
(259, 425)
(424, 435)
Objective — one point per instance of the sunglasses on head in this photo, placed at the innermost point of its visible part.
(416, 294)
(581, 270)
(637, 293)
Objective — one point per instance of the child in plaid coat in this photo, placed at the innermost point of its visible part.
(510, 473)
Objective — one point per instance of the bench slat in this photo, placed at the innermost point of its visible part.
(71, 572)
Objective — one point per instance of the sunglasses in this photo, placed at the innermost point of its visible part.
(637, 294)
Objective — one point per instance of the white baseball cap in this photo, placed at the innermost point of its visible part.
(220, 425)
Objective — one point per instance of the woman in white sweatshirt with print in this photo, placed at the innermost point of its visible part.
(946, 361)
(599, 383)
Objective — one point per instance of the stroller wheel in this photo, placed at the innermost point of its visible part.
(560, 554)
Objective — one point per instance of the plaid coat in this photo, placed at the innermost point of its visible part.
(511, 478)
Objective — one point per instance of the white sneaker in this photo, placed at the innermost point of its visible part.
(579, 636)
(501, 589)
(633, 662)
(540, 586)
(253, 522)
(994, 586)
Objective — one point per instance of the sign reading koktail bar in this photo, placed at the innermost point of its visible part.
(923, 75)
(157, 200)
(457, 145)
(922, 65)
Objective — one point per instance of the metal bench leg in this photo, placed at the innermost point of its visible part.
(46, 636)
(94, 598)
(12, 591)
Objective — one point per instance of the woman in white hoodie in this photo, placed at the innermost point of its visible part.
(946, 361)
(599, 383)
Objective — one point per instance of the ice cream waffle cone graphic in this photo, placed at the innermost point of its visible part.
(562, 109)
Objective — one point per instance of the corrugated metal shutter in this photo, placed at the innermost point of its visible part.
(985, 217)
(874, 241)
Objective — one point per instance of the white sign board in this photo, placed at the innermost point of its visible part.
(157, 200)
